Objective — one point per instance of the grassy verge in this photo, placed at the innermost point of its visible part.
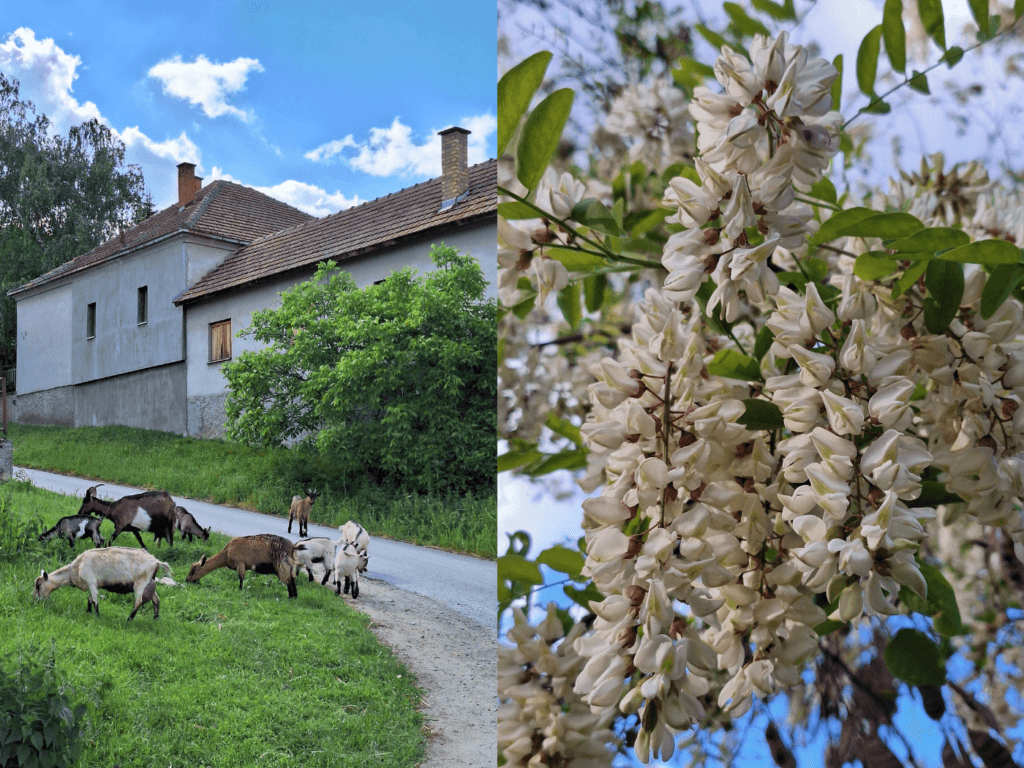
(224, 677)
(253, 478)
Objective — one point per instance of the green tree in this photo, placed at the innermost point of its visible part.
(60, 196)
(395, 382)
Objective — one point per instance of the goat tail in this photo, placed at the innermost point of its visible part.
(164, 566)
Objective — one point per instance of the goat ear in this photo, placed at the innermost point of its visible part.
(202, 560)
(208, 528)
(43, 575)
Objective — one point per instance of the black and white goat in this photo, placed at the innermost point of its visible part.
(187, 525)
(116, 569)
(349, 562)
(151, 511)
(354, 533)
(316, 551)
(75, 527)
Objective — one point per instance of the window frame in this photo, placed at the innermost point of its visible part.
(143, 305)
(90, 321)
(211, 360)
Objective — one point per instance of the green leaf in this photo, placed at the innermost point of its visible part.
(559, 558)
(517, 568)
(989, 252)
(596, 215)
(919, 82)
(689, 73)
(979, 10)
(712, 37)
(883, 225)
(953, 56)
(516, 210)
(933, 492)
(874, 265)
(714, 320)
(518, 457)
(932, 20)
(763, 342)
(828, 626)
(761, 414)
(878, 107)
(593, 291)
(745, 25)
(942, 602)
(583, 597)
(570, 304)
(515, 91)
(824, 190)
(830, 229)
(734, 365)
(908, 278)
(776, 11)
(915, 659)
(541, 134)
(576, 261)
(945, 283)
(894, 34)
(816, 269)
(1018, 9)
(931, 240)
(564, 428)
(837, 84)
(570, 459)
(867, 60)
(999, 286)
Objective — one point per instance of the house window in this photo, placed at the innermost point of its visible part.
(90, 321)
(143, 304)
(220, 341)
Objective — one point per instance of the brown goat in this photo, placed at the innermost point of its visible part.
(151, 511)
(300, 511)
(263, 553)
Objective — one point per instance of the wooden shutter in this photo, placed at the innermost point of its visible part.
(220, 341)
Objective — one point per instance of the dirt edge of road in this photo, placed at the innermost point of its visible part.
(455, 664)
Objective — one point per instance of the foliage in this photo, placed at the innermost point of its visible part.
(18, 533)
(767, 374)
(394, 381)
(60, 196)
(224, 677)
(256, 478)
(41, 726)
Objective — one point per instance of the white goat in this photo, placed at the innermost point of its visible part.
(354, 533)
(116, 569)
(320, 551)
(349, 562)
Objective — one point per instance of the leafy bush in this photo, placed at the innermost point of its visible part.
(40, 724)
(18, 532)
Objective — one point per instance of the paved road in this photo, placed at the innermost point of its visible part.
(466, 584)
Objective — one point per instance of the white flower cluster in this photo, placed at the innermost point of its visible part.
(655, 117)
(541, 721)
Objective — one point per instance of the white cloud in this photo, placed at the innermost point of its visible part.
(206, 83)
(306, 197)
(393, 151)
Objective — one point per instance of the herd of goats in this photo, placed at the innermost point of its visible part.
(124, 569)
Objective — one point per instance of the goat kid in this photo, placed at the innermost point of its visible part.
(262, 553)
(349, 562)
(116, 569)
(187, 525)
(299, 510)
(151, 511)
(316, 551)
(75, 527)
(354, 533)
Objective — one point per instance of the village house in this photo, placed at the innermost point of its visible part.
(135, 331)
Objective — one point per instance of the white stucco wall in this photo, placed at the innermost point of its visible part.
(203, 255)
(44, 344)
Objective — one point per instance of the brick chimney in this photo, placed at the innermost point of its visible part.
(454, 168)
(188, 183)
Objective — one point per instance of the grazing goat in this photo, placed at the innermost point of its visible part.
(150, 511)
(349, 562)
(76, 527)
(118, 569)
(354, 533)
(187, 525)
(299, 510)
(263, 553)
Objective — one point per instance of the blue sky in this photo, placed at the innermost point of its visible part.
(320, 104)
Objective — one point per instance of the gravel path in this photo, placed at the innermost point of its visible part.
(432, 608)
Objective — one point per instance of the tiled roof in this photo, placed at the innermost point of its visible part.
(222, 209)
(354, 231)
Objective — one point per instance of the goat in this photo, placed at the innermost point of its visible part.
(117, 569)
(299, 510)
(75, 527)
(187, 525)
(354, 533)
(349, 562)
(262, 553)
(318, 550)
(151, 511)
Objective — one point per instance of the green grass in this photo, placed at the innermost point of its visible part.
(224, 677)
(254, 478)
